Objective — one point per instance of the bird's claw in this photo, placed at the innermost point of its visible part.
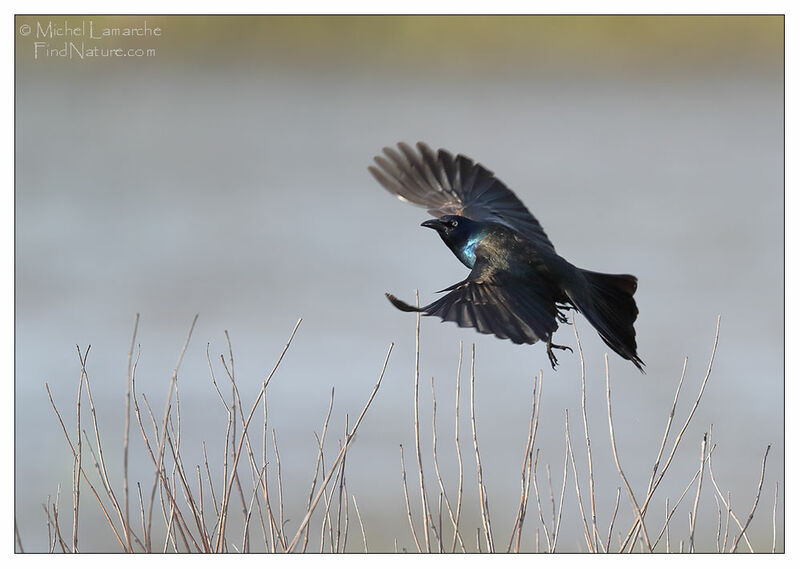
(551, 355)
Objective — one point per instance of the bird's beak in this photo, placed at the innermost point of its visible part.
(433, 224)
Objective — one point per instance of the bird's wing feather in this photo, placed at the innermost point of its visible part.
(454, 185)
(494, 303)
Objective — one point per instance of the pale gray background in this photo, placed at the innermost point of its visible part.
(227, 177)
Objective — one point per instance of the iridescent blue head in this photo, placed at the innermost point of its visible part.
(460, 234)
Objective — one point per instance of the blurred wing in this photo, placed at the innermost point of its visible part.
(494, 304)
(456, 186)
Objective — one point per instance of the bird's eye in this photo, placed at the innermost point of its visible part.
(453, 223)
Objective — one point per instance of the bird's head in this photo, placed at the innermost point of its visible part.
(451, 227)
(460, 234)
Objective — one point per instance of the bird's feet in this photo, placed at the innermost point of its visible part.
(551, 355)
(560, 316)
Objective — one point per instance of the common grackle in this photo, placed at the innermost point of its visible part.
(518, 286)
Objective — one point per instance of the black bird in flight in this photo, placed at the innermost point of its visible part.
(518, 285)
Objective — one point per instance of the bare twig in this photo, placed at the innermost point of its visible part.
(141, 513)
(539, 504)
(587, 533)
(728, 516)
(236, 404)
(719, 524)
(342, 497)
(697, 495)
(595, 532)
(126, 437)
(57, 538)
(613, 518)
(320, 464)
(167, 411)
(561, 499)
(360, 523)
(253, 498)
(100, 461)
(484, 501)
(456, 532)
(280, 483)
(774, 512)
(527, 465)
(755, 503)
(82, 470)
(423, 494)
(76, 470)
(666, 524)
(652, 487)
(443, 492)
(237, 455)
(17, 537)
(408, 503)
(731, 514)
(636, 510)
(347, 441)
(50, 543)
(670, 513)
(553, 499)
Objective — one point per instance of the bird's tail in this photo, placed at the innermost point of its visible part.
(607, 303)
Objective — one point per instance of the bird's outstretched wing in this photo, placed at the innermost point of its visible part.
(494, 303)
(456, 186)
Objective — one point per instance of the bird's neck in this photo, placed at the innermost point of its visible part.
(464, 248)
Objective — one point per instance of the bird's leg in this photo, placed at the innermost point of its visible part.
(551, 355)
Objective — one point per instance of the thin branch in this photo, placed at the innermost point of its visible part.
(443, 492)
(652, 488)
(253, 498)
(101, 461)
(17, 537)
(423, 494)
(237, 455)
(347, 441)
(774, 512)
(731, 514)
(360, 523)
(76, 470)
(484, 501)
(319, 463)
(539, 503)
(670, 513)
(613, 518)
(141, 513)
(82, 470)
(527, 462)
(167, 411)
(552, 499)
(456, 532)
(636, 510)
(595, 532)
(408, 503)
(697, 495)
(126, 437)
(587, 533)
(755, 503)
(280, 485)
(561, 499)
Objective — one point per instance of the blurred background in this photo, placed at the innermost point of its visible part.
(221, 170)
